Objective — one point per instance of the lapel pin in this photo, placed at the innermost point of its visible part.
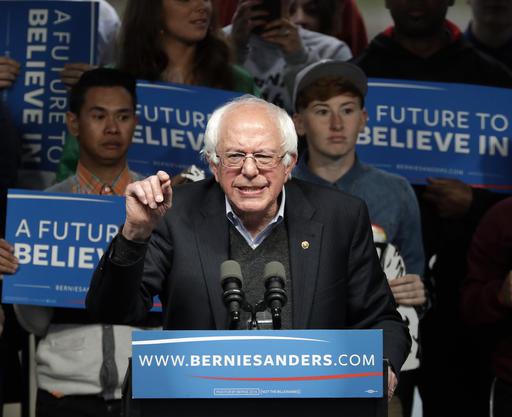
(305, 244)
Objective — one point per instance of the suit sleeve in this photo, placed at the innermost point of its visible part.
(124, 284)
(371, 302)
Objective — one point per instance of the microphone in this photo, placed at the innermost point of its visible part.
(274, 278)
(231, 281)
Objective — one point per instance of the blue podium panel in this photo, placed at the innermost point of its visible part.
(261, 364)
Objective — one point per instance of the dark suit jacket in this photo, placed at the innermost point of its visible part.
(337, 279)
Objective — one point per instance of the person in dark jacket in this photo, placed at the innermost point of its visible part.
(490, 29)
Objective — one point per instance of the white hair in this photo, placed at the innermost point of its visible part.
(284, 124)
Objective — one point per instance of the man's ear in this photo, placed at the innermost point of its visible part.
(214, 168)
(363, 121)
(290, 167)
(299, 124)
(72, 123)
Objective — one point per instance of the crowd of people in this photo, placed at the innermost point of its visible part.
(306, 71)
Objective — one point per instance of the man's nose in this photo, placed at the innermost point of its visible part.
(249, 167)
(336, 121)
(112, 125)
(201, 6)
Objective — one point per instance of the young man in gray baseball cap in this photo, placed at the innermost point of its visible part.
(328, 100)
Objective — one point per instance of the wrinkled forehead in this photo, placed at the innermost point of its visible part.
(249, 125)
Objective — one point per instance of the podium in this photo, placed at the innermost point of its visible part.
(274, 373)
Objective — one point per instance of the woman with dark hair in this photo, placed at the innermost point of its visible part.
(176, 41)
(171, 41)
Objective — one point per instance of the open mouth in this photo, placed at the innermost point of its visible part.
(202, 23)
(250, 190)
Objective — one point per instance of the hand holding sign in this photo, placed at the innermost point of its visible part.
(408, 290)
(146, 203)
(8, 262)
(72, 73)
(9, 70)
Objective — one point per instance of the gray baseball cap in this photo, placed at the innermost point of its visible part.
(328, 68)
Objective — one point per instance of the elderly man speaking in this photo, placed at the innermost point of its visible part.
(173, 241)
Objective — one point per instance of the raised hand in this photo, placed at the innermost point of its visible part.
(245, 19)
(146, 203)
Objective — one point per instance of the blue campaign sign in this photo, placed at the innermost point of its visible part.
(58, 240)
(172, 120)
(423, 129)
(257, 364)
(43, 36)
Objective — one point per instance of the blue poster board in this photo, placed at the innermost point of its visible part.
(172, 120)
(58, 240)
(257, 364)
(43, 36)
(424, 129)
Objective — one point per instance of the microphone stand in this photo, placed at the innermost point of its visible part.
(260, 306)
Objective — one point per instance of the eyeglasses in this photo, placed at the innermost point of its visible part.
(262, 160)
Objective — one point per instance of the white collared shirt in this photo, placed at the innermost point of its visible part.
(256, 241)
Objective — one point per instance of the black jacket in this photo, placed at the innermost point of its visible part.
(458, 62)
(337, 280)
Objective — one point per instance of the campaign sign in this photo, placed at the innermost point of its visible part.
(43, 36)
(257, 364)
(172, 121)
(424, 129)
(58, 240)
